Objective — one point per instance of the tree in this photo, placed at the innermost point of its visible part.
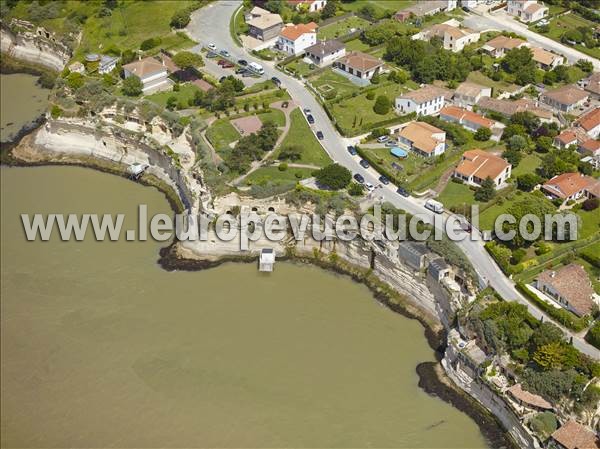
(487, 190)
(291, 152)
(180, 19)
(171, 102)
(518, 59)
(329, 10)
(517, 143)
(483, 134)
(543, 144)
(590, 204)
(150, 43)
(333, 176)
(132, 86)
(544, 334)
(382, 105)
(512, 156)
(187, 59)
(355, 189)
(75, 80)
(585, 65)
(528, 181)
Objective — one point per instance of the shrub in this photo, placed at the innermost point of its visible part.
(544, 424)
(371, 95)
(150, 43)
(355, 189)
(56, 111)
(590, 204)
(187, 59)
(283, 166)
(333, 176)
(483, 134)
(593, 335)
(382, 105)
(132, 86)
(180, 19)
(518, 255)
(75, 80)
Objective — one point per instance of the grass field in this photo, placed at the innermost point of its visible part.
(342, 27)
(455, 194)
(300, 67)
(357, 112)
(301, 134)
(527, 165)
(356, 45)
(497, 86)
(186, 93)
(381, 6)
(329, 78)
(559, 25)
(274, 115)
(272, 174)
(221, 133)
(590, 223)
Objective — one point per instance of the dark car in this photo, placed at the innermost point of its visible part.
(359, 178)
(384, 180)
(276, 80)
(365, 164)
(402, 191)
(240, 71)
(310, 119)
(352, 150)
(319, 135)
(223, 78)
(211, 54)
(221, 62)
(242, 62)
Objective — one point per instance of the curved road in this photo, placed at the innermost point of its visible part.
(211, 25)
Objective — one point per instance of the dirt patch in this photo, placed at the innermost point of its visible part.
(247, 125)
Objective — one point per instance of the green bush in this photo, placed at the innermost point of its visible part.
(150, 43)
(544, 424)
(56, 111)
(283, 166)
(371, 95)
(593, 335)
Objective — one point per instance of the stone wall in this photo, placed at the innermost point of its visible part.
(34, 49)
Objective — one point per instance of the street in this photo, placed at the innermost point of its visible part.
(211, 24)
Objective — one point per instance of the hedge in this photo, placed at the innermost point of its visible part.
(561, 315)
(375, 163)
(593, 335)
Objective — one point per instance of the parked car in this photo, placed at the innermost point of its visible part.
(319, 135)
(352, 150)
(359, 178)
(434, 206)
(306, 111)
(225, 53)
(211, 55)
(382, 139)
(242, 62)
(391, 143)
(402, 191)
(384, 180)
(365, 164)
(223, 78)
(276, 80)
(221, 62)
(310, 119)
(370, 187)
(227, 65)
(212, 47)
(240, 71)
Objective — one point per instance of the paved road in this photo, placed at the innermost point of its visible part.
(502, 21)
(211, 24)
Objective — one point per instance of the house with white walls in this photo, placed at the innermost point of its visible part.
(294, 39)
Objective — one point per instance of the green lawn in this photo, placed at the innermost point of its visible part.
(381, 6)
(559, 25)
(497, 86)
(455, 194)
(274, 115)
(330, 79)
(590, 223)
(301, 134)
(342, 27)
(300, 67)
(186, 92)
(272, 174)
(527, 165)
(356, 45)
(488, 216)
(357, 112)
(221, 133)
(131, 23)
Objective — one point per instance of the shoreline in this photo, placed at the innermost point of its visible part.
(432, 378)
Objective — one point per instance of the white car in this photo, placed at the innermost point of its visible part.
(212, 47)
(369, 186)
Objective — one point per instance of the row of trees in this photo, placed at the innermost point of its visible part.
(252, 147)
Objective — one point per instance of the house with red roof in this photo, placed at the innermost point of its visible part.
(294, 39)
(565, 139)
(568, 186)
(478, 165)
(590, 123)
(471, 121)
(572, 435)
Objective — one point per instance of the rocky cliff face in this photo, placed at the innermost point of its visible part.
(35, 47)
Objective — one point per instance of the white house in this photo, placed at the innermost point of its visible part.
(324, 53)
(310, 5)
(427, 100)
(153, 73)
(107, 64)
(526, 10)
(478, 165)
(360, 65)
(468, 94)
(454, 38)
(546, 60)
(424, 139)
(294, 39)
(590, 123)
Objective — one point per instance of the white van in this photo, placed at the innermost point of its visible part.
(256, 68)
(434, 206)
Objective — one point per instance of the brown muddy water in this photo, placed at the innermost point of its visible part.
(22, 101)
(100, 347)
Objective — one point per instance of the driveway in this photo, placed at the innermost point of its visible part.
(211, 24)
(501, 21)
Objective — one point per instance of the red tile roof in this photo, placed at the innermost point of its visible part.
(567, 184)
(464, 114)
(590, 120)
(293, 32)
(573, 435)
(481, 164)
(529, 398)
